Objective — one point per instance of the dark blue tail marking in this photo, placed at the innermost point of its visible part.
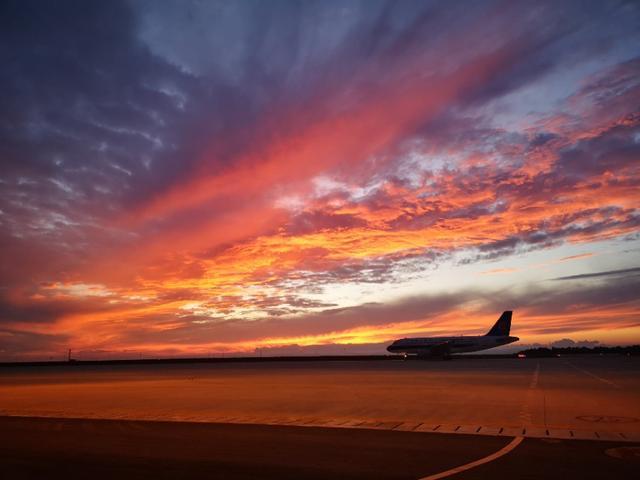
(502, 326)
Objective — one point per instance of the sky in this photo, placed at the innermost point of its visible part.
(205, 178)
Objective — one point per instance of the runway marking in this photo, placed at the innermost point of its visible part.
(593, 375)
(462, 468)
(529, 431)
(525, 414)
(536, 375)
(341, 422)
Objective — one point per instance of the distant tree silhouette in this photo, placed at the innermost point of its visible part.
(600, 350)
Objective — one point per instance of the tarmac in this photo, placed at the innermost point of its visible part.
(33, 448)
(573, 397)
(404, 419)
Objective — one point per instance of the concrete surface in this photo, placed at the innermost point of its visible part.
(79, 448)
(593, 398)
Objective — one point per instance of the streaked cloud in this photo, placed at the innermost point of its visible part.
(178, 176)
(624, 271)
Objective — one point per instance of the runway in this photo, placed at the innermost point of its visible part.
(466, 418)
(594, 398)
(66, 448)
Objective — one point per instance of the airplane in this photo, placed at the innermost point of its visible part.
(444, 346)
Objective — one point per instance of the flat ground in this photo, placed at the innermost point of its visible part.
(387, 411)
(68, 448)
(579, 393)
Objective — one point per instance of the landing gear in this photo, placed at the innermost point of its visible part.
(435, 356)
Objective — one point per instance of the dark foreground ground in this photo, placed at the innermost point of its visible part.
(69, 448)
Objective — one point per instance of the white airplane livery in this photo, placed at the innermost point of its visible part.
(442, 346)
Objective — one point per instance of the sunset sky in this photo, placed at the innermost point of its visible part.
(200, 177)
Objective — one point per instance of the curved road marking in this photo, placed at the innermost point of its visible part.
(503, 451)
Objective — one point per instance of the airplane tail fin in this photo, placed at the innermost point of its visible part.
(502, 326)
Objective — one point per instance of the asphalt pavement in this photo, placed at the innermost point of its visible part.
(80, 448)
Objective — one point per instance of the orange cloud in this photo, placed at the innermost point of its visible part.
(499, 271)
(576, 257)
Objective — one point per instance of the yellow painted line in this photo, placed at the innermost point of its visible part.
(462, 468)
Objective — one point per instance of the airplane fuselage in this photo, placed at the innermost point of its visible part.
(447, 345)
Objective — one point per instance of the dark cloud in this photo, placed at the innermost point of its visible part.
(327, 321)
(567, 342)
(624, 272)
(313, 221)
(49, 309)
(92, 122)
(553, 305)
(379, 270)
(19, 345)
(547, 302)
(111, 108)
(85, 115)
(613, 151)
(529, 302)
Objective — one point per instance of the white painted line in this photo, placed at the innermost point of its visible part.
(388, 425)
(370, 425)
(537, 432)
(274, 421)
(336, 423)
(510, 431)
(462, 468)
(605, 435)
(450, 428)
(584, 435)
(427, 427)
(354, 423)
(632, 437)
(409, 426)
(561, 434)
(535, 377)
(470, 429)
(593, 375)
